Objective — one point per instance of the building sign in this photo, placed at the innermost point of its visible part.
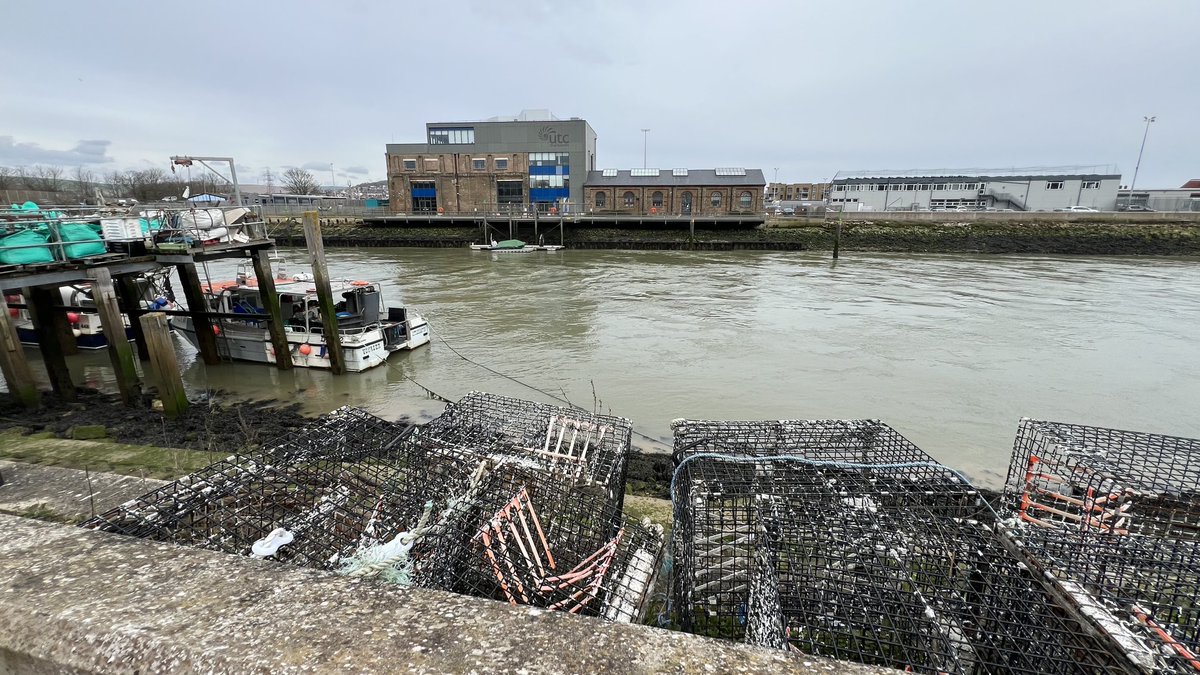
(547, 134)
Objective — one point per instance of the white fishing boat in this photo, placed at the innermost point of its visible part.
(85, 324)
(367, 335)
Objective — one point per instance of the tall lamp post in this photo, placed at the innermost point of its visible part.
(1148, 121)
(332, 181)
(645, 137)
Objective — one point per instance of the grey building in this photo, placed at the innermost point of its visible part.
(1014, 189)
(497, 164)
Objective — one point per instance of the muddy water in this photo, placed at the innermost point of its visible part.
(950, 350)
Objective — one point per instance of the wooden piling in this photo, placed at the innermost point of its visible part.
(41, 303)
(13, 364)
(316, 251)
(270, 301)
(205, 337)
(837, 235)
(119, 352)
(162, 359)
(131, 298)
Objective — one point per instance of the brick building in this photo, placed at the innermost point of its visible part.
(780, 192)
(700, 192)
(496, 165)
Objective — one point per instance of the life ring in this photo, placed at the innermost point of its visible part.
(358, 283)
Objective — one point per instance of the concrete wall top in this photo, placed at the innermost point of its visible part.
(73, 600)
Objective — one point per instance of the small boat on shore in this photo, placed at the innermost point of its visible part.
(367, 334)
(514, 246)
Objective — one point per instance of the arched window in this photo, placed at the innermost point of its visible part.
(715, 198)
(628, 197)
(656, 200)
(600, 200)
(685, 203)
(745, 200)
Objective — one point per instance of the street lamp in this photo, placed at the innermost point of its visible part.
(645, 137)
(1147, 120)
(332, 182)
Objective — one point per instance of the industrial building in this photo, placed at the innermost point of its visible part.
(503, 164)
(682, 192)
(1184, 198)
(1026, 189)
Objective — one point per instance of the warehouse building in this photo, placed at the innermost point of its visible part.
(675, 192)
(498, 165)
(1012, 189)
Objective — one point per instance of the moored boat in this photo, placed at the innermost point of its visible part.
(367, 335)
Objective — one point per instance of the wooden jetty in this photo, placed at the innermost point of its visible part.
(115, 293)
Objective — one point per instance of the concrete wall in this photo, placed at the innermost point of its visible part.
(79, 601)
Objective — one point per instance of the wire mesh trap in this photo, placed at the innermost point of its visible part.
(368, 498)
(1114, 517)
(586, 448)
(894, 563)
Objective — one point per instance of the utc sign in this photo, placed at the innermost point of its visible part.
(549, 135)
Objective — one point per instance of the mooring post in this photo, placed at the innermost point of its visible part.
(316, 251)
(105, 297)
(50, 336)
(13, 364)
(837, 234)
(198, 309)
(162, 359)
(270, 300)
(131, 297)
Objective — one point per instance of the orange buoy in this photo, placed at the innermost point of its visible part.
(305, 350)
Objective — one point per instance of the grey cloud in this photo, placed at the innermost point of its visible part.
(315, 166)
(84, 152)
(356, 170)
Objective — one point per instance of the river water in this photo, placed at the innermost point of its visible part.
(951, 350)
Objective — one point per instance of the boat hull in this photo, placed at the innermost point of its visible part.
(361, 350)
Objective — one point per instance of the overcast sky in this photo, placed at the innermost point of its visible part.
(811, 88)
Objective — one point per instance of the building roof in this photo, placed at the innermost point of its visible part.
(670, 177)
(1021, 172)
(1193, 184)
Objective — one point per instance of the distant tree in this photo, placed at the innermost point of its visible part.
(85, 181)
(44, 178)
(8, 178)
(299, 182)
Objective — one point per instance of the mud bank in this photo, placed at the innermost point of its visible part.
(1077, 237)
(212, 424)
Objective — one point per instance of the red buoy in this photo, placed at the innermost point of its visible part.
(72, 317)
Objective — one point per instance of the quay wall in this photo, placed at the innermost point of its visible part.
(79, 601)
(1050, 233)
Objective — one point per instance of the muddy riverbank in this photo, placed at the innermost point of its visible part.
(858, 234)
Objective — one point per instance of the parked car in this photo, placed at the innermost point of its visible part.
(1077, 209)
(1138, 207)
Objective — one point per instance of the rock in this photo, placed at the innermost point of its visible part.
(84, 432)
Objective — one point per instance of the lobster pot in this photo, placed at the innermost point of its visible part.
(370, 498)
(583, 448)
(786, 545)
(1115, 516)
